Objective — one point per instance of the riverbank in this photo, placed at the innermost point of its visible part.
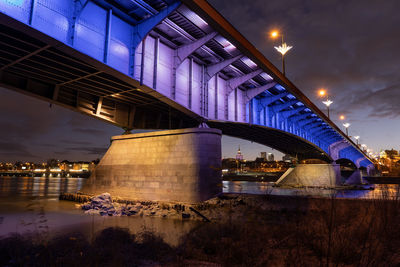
(244, 230)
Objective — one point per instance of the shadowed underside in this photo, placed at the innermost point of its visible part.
(276, 139)
(160, 64)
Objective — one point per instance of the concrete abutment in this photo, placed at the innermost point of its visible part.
(175, 165)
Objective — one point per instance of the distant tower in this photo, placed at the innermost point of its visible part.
(264, 155)
(270, 157)
(239, 155)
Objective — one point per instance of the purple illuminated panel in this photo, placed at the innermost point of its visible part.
(231, 106)
(164, 69)
(120, 42)
(52, 18)
(211, 98)
(90, 31)
(138, 62)
(240, 106)
(149, 62)
(221, 98)
(18, 9)
(182, 84)
(196, 88)
(247, 112)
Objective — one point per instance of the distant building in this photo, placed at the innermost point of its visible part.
(270, 157)
(239, 155)
(287, 158)
(264, 155)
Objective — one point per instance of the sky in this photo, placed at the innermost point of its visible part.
(351, 48)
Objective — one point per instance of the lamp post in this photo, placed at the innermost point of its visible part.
(283, 48)
(346, 125)
(327, 102)
(357, 137)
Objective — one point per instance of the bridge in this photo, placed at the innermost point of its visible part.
(161, 64)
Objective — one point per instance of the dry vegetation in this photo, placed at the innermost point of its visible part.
(253, 231)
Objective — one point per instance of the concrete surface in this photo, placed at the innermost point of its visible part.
(312, 175)
(175, 165)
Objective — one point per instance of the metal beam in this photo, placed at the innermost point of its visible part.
(311, 125)
(156, 59)
(251, 93)
(186, 50)
(144, 6)
(235, 82)
(211, 70)
(298, 117)
(108, 36)
(279, 107)
(80, 78)
(25, 57)
(32, 11)
(308, 121)
(271, 99)
(143, 28)
(288, 113)
(98, 106)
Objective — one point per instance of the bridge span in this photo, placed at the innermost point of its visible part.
(161, 64)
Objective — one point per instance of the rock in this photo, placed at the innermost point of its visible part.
(103, 213)
(92, 212)
(86, 206)
(105, 196)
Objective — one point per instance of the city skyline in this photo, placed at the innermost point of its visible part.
(365, 93)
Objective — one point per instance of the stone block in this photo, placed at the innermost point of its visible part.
(174, 165)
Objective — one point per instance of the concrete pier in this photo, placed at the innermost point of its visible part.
(176, 165)
(312, 175)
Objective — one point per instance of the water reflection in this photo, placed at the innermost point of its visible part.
(38, 186)
(261, 188)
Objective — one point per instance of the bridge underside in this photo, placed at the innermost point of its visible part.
(276, 139)
(39, 66)
(164, 65)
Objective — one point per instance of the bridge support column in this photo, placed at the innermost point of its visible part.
(312, 175)
(176, 165)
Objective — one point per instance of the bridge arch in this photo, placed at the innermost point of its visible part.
(164, 66)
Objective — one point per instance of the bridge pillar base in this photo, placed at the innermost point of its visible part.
(355, 178)
(312, 175)
(176, 165)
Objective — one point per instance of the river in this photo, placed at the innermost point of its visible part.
(31, 205)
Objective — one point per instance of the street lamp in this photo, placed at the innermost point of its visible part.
(346, 125)
(357, 137)
(342, 117)
(283, 48)
(327, 102)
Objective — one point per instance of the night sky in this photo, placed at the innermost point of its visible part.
(351, 48)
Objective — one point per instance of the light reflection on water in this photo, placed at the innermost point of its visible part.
(261, 188)
(38, 186)
(28, 203)
(22, 187)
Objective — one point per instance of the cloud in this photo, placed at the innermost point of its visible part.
(89, 150)
(14, 151)
(383, 103)
(349, 47)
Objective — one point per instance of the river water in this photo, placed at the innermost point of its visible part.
(31, 205)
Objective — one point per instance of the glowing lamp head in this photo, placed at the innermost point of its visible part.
(342, 117)
(327, 102)
(322, 92)
(346, 124)
(356, 137)
(274, 34)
